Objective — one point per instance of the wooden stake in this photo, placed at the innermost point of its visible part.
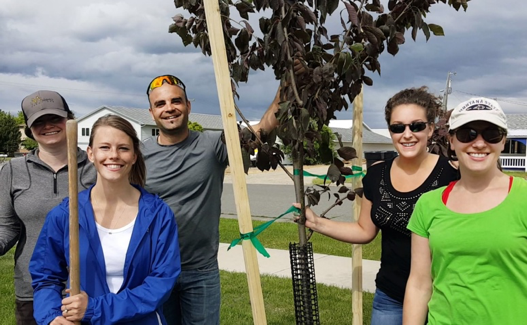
(356, 255)
(74, 265)
(223, 83)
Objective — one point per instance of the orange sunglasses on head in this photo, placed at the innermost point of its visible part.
(159, 81)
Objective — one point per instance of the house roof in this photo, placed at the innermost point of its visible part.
(367, 136)
(517, 121)
(346, 124)
(143, 117)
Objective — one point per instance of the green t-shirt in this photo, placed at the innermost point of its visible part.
(479, 260)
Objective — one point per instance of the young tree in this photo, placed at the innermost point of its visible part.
(29, 144)
(336, 65)
(20, 118)
(9, 133)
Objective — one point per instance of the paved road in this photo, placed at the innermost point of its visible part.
(269, 201)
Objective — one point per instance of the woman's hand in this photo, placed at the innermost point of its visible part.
(311, 217)
(74, 307)
(60, 320)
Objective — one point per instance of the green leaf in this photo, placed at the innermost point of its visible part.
(304, 119)
(348, 61)
(426, 31)
(332, 6)
(357, 47)
(436, 29)
(414, 33)
(333, 173)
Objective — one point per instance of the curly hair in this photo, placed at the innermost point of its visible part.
(418, 96)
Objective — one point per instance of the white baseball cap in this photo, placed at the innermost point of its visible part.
(477, 109)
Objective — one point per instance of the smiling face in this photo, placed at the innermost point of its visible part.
(49, 130)
(170, 110)
(410, 144)
(112, 154)
(477, 155)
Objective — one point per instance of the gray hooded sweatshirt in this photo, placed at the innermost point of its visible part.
(29, 189)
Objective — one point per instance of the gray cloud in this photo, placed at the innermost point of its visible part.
(98, 52)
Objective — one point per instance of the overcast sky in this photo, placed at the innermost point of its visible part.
(99, 52)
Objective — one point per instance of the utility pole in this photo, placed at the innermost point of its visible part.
(448, 90)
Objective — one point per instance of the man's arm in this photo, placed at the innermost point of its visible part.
(269, 121)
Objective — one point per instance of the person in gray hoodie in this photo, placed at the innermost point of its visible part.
(32, 185)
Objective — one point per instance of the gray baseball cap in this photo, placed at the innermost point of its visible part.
(41, 103)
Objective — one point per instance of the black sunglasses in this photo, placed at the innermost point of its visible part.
(490, 135)
(414, 127)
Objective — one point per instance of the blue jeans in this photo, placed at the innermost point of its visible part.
(386, 311)
(195, 299)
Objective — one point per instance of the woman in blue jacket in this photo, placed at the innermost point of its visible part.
(129, 252)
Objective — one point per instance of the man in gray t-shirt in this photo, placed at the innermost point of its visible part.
(186, 169)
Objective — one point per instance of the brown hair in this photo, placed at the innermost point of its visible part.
(138, 173)
(418, 96)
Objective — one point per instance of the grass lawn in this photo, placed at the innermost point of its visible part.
(516, 174)
(7, 290)
(280, 234)
(334, 303)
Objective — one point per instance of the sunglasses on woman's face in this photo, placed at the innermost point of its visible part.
(490, 135)
(414, 127)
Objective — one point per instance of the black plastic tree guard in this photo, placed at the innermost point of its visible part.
(304, 284)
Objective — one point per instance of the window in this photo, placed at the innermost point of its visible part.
(155, 132)
(85, 132)
(514, 147)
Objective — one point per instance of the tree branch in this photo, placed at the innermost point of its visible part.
(289, 57)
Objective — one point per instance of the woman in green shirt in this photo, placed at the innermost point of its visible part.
(469, 241)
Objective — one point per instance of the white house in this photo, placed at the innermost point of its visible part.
(514, 155)
(141, 120)
(371, 141)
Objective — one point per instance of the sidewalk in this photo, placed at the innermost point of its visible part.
(329, 270)
(276, 177)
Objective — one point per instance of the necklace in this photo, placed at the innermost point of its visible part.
(106, 221)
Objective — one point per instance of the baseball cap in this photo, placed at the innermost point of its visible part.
(41, 103)
(477, 109)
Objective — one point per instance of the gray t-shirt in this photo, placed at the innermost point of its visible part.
(188, 176)
(29, 189)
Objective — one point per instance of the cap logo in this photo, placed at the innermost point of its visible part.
(478, 105)
(38, 100)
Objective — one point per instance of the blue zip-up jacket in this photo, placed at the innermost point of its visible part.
(151, 267)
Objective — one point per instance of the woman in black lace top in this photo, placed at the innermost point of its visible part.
(391, 189)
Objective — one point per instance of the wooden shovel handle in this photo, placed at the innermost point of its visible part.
(71, 133)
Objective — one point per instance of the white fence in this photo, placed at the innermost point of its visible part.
(513, 162)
